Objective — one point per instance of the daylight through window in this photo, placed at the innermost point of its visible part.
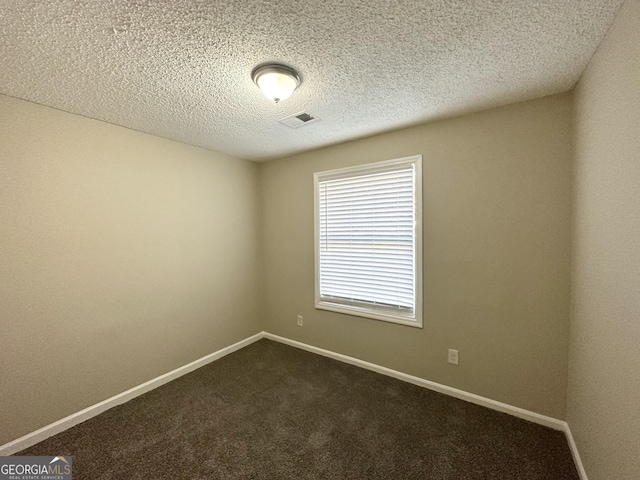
(368, 240)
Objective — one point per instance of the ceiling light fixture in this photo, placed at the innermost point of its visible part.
(277, 82)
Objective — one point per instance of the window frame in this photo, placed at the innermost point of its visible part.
(416, 160)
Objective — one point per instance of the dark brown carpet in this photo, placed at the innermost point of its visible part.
(270, 411)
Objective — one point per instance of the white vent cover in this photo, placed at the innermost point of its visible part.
(298, 119)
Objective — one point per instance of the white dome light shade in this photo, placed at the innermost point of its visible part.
(277, 82)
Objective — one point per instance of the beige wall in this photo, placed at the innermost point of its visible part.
(122, 257)
(604, 375)
(497, 193)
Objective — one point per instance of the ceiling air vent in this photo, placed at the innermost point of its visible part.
(297, 120)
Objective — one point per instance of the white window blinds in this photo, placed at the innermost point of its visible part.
(367, 239)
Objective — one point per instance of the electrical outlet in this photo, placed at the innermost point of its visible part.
(299, 320)
(453, 356)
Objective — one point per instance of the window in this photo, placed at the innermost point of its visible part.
(369, 240)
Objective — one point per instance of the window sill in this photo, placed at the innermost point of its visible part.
(362, 312)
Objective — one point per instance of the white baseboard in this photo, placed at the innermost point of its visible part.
(89, 412)
(574, 453)
(534, 417)
(421, 382)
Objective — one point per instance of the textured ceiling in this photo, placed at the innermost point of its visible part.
(181, 69)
